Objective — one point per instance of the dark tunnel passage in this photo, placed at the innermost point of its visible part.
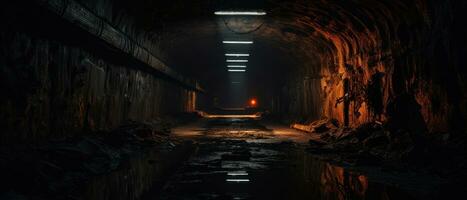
(244, 99)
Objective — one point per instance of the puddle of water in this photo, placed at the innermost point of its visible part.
(136, 177)
(321, 180)
(229, 167)
(318, 179)
(241, 173)
(290, 173)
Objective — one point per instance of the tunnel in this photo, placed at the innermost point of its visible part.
(233, 99)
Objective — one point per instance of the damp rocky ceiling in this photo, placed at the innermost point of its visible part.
(401, 61)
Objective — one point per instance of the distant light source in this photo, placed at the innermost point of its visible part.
(237, 42)
(236, 66)
(253, 102)
(237, 61)
(236, 70)
(237, 54)
(243, 13)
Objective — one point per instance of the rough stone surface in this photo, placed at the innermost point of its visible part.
(53, 90)
(392, 52)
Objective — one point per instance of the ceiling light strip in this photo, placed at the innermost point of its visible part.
(236, 66)
(237, 61)
(237, 54)
(241, 13)
(236, 42)
(237, 70)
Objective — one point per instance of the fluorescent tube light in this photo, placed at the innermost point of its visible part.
(237, 42)
(236, 70)
(237, 54)
(242, 13)
(237, 61)
(236, 66)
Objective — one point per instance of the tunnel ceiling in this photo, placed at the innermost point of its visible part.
(293, 34)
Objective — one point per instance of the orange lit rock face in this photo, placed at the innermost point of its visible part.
(385, 50)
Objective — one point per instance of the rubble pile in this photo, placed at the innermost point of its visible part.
(376, 144)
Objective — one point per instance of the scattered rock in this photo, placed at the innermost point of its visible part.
(341, 133)
(59, 167)
(375, 139)
(367, 144)
(378, 144)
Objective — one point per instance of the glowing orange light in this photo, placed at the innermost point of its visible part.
(253, 102)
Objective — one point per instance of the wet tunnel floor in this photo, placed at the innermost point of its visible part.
(242, 159)
(236, 159)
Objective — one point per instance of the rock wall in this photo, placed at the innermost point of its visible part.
(403, 61)
(301, 98)
(51, 88)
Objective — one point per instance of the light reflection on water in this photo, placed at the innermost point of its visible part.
(309, 179)
(300, 176)
(332, 182)
(238, 173)
(234, 177)
(228, 165)
(323, 180)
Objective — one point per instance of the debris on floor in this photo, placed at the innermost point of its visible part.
(319, 126)
(243, 159)
(60, 168)
(375, 144)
